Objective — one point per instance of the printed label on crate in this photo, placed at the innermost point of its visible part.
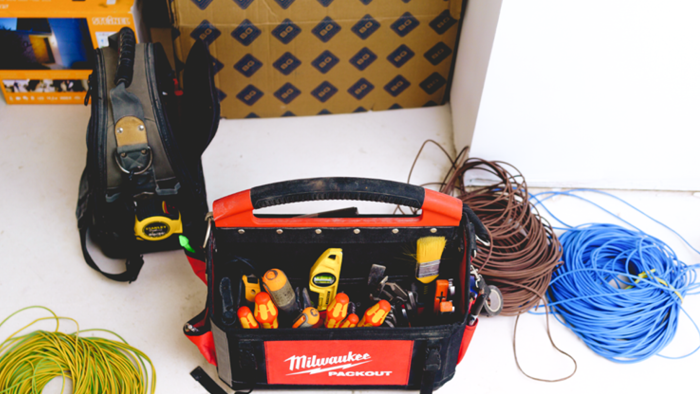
(385, 363)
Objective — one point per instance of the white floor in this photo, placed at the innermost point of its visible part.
(42, 153)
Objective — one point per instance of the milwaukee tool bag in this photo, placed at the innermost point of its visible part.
(142, 189)
(419, 356)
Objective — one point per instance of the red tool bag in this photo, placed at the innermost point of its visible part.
(422, 356)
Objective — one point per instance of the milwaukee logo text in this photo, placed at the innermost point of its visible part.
(304, 362)
(290, 362)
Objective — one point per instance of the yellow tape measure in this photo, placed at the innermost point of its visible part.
(157, 225)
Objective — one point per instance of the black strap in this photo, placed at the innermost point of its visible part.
(208, 383)
(432, 366)
(133, 263)
(201, 110)
(479, 227)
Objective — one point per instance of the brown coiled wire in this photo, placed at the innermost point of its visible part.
(523, 250)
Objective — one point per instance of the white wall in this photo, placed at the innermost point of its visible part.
(475, 42)
(599, 93)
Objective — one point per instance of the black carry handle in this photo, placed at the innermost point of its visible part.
(126, 49)
(363, 189)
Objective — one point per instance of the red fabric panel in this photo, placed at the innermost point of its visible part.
(466, 340)
(205, 343)
(199, 267)
(375, 362)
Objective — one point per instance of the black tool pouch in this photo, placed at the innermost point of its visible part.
(143, 185)
(419, 356)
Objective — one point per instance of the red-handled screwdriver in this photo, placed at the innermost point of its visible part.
(265, 311)
(245, 316)
(374, 316)
(337, 310)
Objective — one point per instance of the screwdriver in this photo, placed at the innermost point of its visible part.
(337, 310)
(307, 319)
(350, 321)
(265, 311)
(245, 316)
(374, 316)
(277, 285)
(475, 310)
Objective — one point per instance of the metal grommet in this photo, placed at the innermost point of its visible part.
(141, 127)
(433, 230)
(143, 151)
(241, 231)
(279, 231)
(120, 130)
(123, 154)
(356, 231)
(318, 231)
(395, 231)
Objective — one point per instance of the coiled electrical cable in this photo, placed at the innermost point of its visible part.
(94, 365)
(620, 289)
(523, 250)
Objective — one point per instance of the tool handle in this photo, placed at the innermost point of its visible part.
(125, 64)
(475, 310)
(438, 209)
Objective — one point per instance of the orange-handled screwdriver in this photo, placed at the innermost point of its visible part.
(265, 311)
(307, 319)
(374, 316)
(350, 321)
(245, 316)
(337, 310)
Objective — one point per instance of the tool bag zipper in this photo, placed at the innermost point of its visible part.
(97, 139)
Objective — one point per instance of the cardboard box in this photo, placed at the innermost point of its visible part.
(307, 57)
(46, 46)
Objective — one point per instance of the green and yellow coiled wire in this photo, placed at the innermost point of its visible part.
(94, 365)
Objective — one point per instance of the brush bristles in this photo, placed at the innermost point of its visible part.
(429, 249)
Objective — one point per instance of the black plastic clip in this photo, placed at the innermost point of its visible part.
(433, 363)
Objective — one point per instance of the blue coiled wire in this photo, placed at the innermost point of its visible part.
(620, 290)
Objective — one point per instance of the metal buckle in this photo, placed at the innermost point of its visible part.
(483, 242)
(150, 162)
